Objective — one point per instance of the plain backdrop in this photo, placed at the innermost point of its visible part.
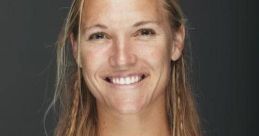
(223, 39)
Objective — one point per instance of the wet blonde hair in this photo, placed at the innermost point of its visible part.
(76, 105)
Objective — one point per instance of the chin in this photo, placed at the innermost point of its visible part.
(129, 109)
(129, 101)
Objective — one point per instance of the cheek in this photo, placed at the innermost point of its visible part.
(88, 67)
(156, 53)
(92, 59)
(87, 61)
(160, 55)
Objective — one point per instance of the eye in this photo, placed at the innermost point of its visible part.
(145, 32)
(98, 36)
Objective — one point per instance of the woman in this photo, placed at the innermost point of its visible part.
(121, 70)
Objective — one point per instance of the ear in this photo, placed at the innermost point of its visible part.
(178, 43)
(74, 47)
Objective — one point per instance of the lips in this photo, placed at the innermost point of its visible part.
(126, 79)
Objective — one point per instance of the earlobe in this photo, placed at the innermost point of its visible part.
(178, 43)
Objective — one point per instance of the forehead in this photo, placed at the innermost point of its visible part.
(111, 11)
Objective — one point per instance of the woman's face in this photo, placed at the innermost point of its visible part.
(125, 53)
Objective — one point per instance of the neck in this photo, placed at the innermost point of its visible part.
(148, 122)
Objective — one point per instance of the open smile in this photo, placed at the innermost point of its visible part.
(125, 80)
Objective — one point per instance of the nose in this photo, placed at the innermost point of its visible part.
(122, 54)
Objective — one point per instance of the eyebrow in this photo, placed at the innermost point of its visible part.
(97, 25)
(135, 25)
(145, 22)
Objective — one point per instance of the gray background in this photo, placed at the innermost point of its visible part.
(224, 36)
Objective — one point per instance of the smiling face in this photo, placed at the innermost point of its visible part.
(125, 52)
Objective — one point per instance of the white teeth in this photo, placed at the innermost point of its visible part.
(128, 80)
(136, 78)
(125, 80)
